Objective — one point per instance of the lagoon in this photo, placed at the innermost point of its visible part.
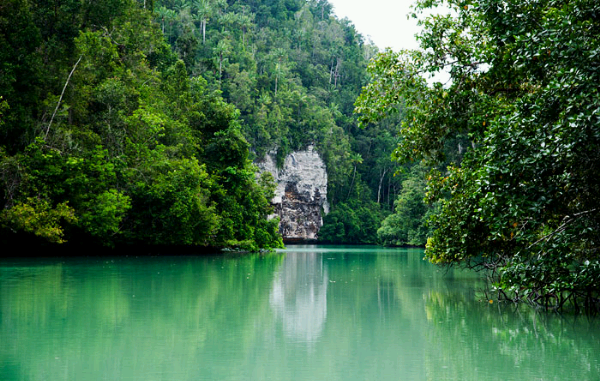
(305, 313)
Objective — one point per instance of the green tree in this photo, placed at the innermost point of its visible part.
(523, 201)
(294, 71)
(111, 142)
(352, 223)
(407, 225)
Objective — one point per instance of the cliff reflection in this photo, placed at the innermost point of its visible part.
(299, 296)
(333, 313)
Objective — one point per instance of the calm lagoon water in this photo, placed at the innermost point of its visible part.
(305, 313)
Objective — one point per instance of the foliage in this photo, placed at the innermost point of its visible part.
(38, 217)
(352, 223)
(408, 225)
(293, 71)
(106, 138)
(522, 107)
(144, 117)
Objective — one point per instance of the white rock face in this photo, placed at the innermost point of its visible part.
(299, 297)
(301, 193)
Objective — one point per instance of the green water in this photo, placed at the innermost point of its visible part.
(308, 313)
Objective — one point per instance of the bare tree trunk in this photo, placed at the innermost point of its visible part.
(380, 185)
(336, 74)
(277, 76)
(61, 96)
(331, 71)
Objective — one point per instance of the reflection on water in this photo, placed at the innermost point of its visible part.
(308, 313)
(299, 296)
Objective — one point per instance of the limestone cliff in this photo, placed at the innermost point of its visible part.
(301, 193)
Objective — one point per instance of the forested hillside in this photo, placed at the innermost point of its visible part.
(137, 122)
(294, 71)
(106, 137)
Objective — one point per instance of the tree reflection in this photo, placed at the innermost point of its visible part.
(322, 314)
(138, 319)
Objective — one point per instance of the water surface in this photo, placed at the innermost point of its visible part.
(307, 313)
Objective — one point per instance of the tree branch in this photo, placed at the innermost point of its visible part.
(563, 226)
(61, 96)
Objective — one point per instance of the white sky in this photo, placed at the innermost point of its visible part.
(385, 23)
(383, 20)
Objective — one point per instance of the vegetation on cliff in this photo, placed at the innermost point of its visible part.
(130, 122)
(294, 71)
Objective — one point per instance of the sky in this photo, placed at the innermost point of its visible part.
(383, 20)
(385, 23)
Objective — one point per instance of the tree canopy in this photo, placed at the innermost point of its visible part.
(521, 111)
(294, 70)
(107, 139)
(130, 122)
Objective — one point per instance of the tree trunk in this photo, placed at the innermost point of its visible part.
(331, 71)
(277, 77)
(61, 96)
(337, 71)
(380, 185)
